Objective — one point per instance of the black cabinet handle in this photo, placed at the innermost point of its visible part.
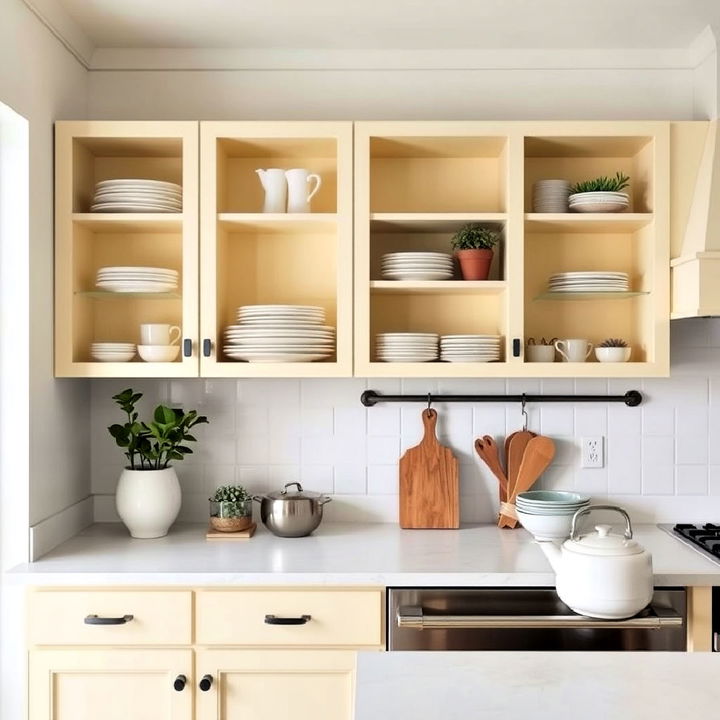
(187, 347)
(95, 620)
(516, 347)
(206, 682)
(179, 683)
(207, 347)
(274, 620)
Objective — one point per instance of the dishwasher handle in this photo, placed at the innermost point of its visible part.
(412, 617)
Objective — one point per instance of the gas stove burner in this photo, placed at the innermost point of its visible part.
(706, 537)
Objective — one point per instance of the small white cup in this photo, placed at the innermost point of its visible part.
(159, 334)
(540, 353)
(613, 354)
(574, 349)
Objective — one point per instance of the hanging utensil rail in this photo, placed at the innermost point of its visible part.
(632, 398)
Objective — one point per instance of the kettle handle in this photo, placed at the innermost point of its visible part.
(589, 509)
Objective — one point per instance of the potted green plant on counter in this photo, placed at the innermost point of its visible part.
(473, 245)
(230, 509)
(148, 495)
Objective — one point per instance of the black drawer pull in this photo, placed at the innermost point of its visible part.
(179, 683)
(207, 347)
(96, 620)
(274, 620)
(206, 682)
(187, 347)
(516, 347)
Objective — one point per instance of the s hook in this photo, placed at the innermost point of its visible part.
(524, 413)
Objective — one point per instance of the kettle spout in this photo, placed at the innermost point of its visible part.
(552, 553)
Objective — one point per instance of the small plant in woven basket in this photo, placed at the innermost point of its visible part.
(602, 184)
(613, 343)
(231, 509)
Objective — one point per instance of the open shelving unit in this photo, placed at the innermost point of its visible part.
(250, 257)
(86, 153)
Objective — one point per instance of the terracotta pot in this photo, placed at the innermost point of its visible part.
(475, 264)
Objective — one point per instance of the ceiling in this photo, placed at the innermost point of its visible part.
(393, 24)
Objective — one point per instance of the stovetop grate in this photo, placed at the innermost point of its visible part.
(706, 537)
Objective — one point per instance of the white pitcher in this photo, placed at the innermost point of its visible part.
(298, 196)
(275, 186)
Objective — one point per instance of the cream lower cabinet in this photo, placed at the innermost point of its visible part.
(112, 684)
(276, 684)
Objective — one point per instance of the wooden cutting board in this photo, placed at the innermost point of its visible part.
(429, 492)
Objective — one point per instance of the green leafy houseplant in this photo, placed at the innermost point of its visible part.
(155, 444)
(602, 184)
(230, 508)
(475, 237)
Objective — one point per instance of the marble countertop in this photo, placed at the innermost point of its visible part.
(337, 554)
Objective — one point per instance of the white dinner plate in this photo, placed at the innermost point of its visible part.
(275, 357)
(143, 182)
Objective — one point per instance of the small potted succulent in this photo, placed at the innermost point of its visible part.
(148, 495)
(602, 194)
(473, 245)
(613, 350)
(230, 509)
(541, 350)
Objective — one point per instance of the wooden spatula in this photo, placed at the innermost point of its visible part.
(487, 449)
(515, 451)
(538, 455)
(429, 492)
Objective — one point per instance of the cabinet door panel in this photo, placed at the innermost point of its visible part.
(276, 685)
(112, 685)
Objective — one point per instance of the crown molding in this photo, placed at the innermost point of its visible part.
(704, 45)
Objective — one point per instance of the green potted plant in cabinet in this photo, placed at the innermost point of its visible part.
(148, 495)
(473, 245)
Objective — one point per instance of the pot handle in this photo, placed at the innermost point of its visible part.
(590, 508)
(287, 485)
(257, 498)
(325, 500)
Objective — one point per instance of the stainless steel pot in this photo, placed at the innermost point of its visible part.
(291, 514)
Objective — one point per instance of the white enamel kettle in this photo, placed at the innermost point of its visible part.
(602, 574)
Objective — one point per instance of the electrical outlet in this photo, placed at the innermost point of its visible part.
(593, 455)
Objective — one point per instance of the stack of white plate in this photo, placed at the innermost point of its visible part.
(547, 514)
(470, 348)
(137, 279)
(406, 347)
(599, 202)
(112, 352)
(591, 281)
(417, 266)
(129, 195)
(551, 196)
(279, 333)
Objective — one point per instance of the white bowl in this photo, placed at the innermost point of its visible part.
(158, 353)
(546, 527)
(613, 354)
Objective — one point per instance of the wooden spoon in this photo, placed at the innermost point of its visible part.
(515, 452)
(538, 455)
(487, 449)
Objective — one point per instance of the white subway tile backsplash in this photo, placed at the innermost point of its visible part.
(267, 432)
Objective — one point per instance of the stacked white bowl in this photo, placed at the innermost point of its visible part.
(406, 347)
(470, 348)
(112, 352)
(417, 266)
(599, 202)
(551, 196)
(547, 514)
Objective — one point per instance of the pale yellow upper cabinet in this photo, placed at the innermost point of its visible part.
(417, 183)
(251, 257)
(85, 154)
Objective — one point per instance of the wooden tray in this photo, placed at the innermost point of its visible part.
(248, 532)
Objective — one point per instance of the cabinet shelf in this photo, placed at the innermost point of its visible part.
(278, 222)
(431, 222)
(441, 287)
(587, 222)
(129, 222)
(622, 295)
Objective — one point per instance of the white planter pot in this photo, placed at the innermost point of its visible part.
(148, 501)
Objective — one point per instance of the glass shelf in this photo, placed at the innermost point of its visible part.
(590, 295)
(108, 295)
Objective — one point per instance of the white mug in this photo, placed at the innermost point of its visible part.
(540, 353)
(159, 334)
(574, 349)
(297, 184)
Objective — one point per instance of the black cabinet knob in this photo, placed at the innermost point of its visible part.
(97, 620)
(187, 347)
(275, 620)
(207, 347)
(516, 347)
(206, 683)
(179, 683)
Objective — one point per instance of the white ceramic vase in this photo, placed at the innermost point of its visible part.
(148, 501)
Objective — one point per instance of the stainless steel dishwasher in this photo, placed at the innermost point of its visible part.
(525, 619)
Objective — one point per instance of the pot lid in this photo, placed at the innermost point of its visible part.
(298, 494)
(604, 543)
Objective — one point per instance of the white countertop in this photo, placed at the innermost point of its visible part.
(337, 554)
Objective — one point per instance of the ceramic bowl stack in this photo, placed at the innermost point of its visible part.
(112, 352)
(589, 281)
(417, 266)
(551, 196)
(406, 347)
(127, 195)
(547, 514)
(599, 202)
(279, 333)
(137, 279)
(470, 348)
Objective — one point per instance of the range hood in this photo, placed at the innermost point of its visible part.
(695, 269)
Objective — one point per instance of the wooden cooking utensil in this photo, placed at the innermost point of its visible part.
(515, 451)
(488, 452)
(538, 455)
(429, 488)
